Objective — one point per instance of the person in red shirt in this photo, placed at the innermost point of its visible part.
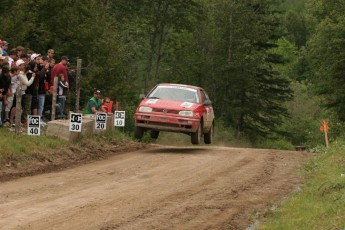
(107, 105)
(60, 68)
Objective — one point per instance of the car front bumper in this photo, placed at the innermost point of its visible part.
(166, 122)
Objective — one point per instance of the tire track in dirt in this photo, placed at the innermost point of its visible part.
(159, 188)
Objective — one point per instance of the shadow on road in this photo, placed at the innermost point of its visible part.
(178, 150)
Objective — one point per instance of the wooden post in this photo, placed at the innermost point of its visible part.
(325, 128)
(77, 86)
(18, 108)
(117, 106)
(54, 99)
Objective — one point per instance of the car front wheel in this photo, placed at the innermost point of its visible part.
(138, 132)
(196, 136)
(208, 137)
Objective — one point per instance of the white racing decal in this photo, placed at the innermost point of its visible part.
(186, 104)
(151, 101)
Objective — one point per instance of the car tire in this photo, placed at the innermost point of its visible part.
(138, 132)
(154, 134)
(196, 136)
(208, 137)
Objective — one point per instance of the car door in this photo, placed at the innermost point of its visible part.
(208, 112)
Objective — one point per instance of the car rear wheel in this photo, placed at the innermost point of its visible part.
(138, 132)
(196, 136)
(208, 137)
(154, 134)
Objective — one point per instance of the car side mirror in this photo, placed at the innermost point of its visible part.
(142, 96)
(207, 102)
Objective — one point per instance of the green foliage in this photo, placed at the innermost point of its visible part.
(326, 51)
(230, 48)
(320, 203)
(296, 28)
(130, 110)
(305, 114)
(241, 35)
(293, 5)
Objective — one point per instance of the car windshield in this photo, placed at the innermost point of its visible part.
(176, 93)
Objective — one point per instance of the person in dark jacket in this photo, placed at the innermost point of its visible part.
(49, 71)
(5, 82)
(31, 92)
(42, 86)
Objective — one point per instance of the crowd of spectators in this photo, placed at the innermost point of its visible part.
(35, 73)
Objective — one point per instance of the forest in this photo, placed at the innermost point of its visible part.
(273, 68)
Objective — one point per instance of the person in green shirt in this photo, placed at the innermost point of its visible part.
(94, 105)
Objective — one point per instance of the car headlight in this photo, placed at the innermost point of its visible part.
(145, 109)
(186, 113)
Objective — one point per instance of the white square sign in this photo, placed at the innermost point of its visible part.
(34, 128)
(101, 121)
(119, 118)
(75, 122)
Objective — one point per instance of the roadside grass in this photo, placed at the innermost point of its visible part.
(23, 148)
(320, 204)
(112, 136)
(277, 144)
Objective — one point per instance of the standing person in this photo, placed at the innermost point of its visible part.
(60, 68)
(4, 62)
(1, 43)
(42, 86)
(23, 80)
(5, 45)
(49, 71)
(50, 53)
(20, 51)
(94, 105)
(11, 92)
(5, 82)
(31, 93)
(62, 92)
(48, 105)
(12, 57)
(24, 57)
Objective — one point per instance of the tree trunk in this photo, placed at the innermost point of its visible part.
(155, 32)
(160, 42)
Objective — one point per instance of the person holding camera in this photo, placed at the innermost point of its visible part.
(24, 82)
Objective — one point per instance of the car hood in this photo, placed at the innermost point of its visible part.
(168, 104)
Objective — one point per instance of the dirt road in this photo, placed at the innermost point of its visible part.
(157, 188)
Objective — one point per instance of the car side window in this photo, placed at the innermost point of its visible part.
(203, 95)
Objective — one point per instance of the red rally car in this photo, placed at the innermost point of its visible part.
(176, 108)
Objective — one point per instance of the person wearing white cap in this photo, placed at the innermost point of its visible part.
(24, 82)
(31, 93)
(34, 56)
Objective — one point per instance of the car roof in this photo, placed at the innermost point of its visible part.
(182, 85)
